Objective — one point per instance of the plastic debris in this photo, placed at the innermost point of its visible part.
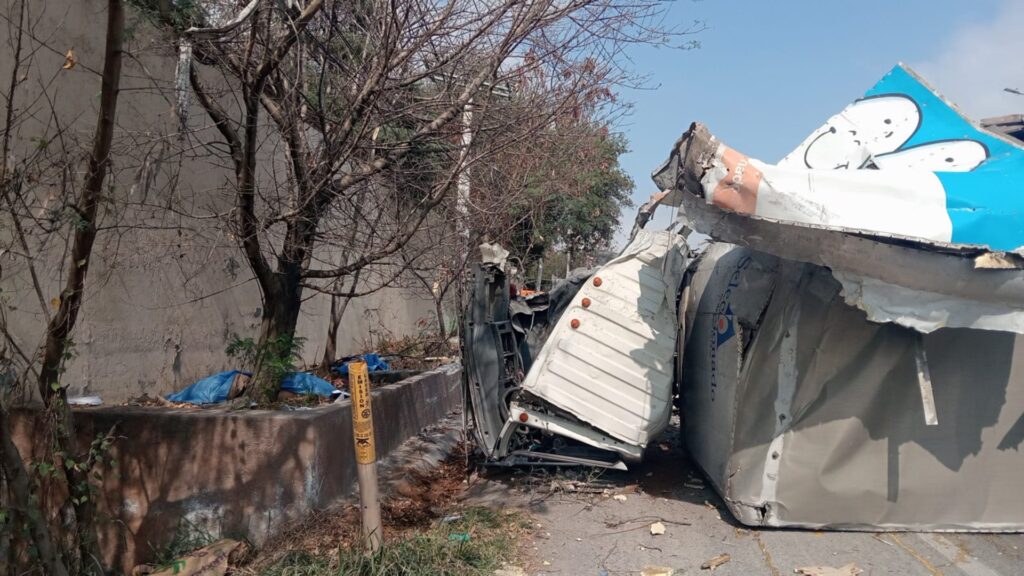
(306, 383)
(619, 497)
(459, 537)
(85, 401)
(657, 529)
(715, 562)
(374, 363)
(225, 385)
(850, 569)
(451, 518)
(656, 571)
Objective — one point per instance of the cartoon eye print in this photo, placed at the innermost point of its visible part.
(939, 156)
(869, 127)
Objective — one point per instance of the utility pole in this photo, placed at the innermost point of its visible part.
(366, 453)
(462, 203)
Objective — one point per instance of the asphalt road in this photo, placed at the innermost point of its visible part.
(582, 533)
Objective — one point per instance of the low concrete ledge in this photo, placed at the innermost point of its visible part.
(240, 473)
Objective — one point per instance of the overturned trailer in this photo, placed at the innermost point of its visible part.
(853, 353)
(847, 347)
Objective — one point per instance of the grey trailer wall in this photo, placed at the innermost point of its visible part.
(803, 413)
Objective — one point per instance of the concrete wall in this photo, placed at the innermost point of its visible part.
(240, 473)
(168, 287)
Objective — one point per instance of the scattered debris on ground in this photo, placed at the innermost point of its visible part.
(424, 352)
(656, 571)
(212, 560)
(850, 569)
(715, 562)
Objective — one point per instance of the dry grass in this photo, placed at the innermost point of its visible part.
(420, 518)
(476, 543)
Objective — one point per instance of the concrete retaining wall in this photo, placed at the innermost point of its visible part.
(166, 291)
(240, 473)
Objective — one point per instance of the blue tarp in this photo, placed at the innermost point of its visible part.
(306, 383)
(374, 363)
(215, 389)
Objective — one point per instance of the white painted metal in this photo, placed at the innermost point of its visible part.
(568, 429)
(614, 371)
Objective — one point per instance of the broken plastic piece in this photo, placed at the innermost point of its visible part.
(715, 562)
(850, 569)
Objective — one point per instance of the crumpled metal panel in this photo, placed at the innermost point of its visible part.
(817, 420)
(610, 363)
(907, 201)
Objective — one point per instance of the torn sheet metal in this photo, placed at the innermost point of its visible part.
(583, 374)
(964, 181)
(899, 195)
(804, 413)
(609, 361)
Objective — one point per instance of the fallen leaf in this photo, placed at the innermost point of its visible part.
(657, 529)
(850, 569)
(715, 562)
(55, 302)
(656, 571)
(69, 60)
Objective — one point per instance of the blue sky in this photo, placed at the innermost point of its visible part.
(768, 72)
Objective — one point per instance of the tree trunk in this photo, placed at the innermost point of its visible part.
(331, 339)
(61, 325)
(13, 467)
(442, 326)
(281, 305)
(338, 308)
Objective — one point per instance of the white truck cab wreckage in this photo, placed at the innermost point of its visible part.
(845, 353)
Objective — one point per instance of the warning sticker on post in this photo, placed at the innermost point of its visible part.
(362, 415)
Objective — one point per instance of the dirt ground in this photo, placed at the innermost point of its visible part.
(591, 523)
(591, 534)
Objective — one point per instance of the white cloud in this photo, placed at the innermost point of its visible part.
(979, 61)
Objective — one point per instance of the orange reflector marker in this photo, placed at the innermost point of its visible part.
(597, 280)
(575, 323)
(523, 417)
(586, 302)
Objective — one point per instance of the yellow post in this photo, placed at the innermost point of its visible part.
(366, 453)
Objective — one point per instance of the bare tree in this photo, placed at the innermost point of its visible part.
(365, 99)
(16, 181)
